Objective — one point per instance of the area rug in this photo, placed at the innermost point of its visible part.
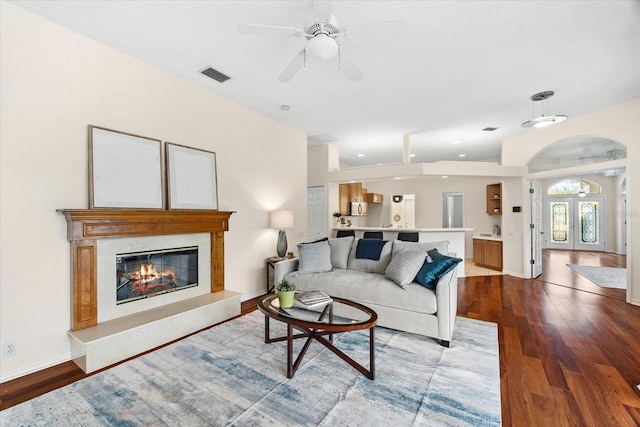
(227, 375)
(605, 277)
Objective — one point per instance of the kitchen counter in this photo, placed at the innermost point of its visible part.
(455, 237)
(488, 236)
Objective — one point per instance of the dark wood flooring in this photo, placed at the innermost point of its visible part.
(569, 353)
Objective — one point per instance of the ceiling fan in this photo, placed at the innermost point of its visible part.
(322, 32)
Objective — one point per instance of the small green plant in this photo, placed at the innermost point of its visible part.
(337, 215)
(286, 286)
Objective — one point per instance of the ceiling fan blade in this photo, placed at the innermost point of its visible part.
(322, 9)
(293, 67)
(269, 30)
(387, 28)
(351, 70)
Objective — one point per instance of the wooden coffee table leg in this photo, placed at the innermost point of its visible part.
(372, 353)
(289, 351)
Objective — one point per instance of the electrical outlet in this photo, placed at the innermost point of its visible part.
(9, 348)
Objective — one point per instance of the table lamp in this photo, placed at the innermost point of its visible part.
(280, 220)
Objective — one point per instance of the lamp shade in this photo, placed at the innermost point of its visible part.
(282, 218)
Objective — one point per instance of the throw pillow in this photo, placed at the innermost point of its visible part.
(314, 257)
(404, 267)
(370, 265)
(340, 249)
(431, 272)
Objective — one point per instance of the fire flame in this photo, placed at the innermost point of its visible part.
(149, 273)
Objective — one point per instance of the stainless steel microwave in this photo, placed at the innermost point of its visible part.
(358, 208)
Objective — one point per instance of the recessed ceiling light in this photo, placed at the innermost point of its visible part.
(462, 155)
(396, 177)
(455, 142)
(360, 155)
(444, 176)
(412, 155)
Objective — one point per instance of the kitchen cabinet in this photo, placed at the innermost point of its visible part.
(351, 192)
(494, 199)
(488, 253)
(373, 198)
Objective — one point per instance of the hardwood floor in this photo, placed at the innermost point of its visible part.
(569, 355)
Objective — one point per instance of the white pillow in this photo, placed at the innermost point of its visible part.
(404, 266)
(314, 257)
(340, 249)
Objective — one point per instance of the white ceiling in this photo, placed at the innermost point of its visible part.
(459, 67)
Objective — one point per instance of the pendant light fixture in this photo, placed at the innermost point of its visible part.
(545, 119)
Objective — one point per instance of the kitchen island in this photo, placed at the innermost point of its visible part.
(455, 237)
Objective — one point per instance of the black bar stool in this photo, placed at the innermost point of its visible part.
(408, 236)
(345, 233)
(373, 235)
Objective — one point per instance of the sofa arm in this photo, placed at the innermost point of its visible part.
(282, 268)
(447, 300)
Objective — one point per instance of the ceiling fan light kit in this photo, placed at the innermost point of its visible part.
(544, 120)
(322, 47)
(322, 31)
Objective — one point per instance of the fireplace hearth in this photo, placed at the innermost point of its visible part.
(152, 273)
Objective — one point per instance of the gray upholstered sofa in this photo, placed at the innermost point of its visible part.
(386, 285)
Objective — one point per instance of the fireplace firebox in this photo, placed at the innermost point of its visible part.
(151, 273)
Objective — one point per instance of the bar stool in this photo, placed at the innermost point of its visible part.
(345, 233)
(373, 235)
(408, 236)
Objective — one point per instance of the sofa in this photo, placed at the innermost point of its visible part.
(412, 286)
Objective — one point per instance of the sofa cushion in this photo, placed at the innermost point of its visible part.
(314, 257)
(441, 246)
(367, 288)
(370, 265)
(431, 272)
(340, 249)
(404, 266)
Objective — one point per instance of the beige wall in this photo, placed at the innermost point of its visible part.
(55, 83)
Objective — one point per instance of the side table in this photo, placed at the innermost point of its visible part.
(278, 267)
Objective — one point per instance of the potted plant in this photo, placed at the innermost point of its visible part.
(286, 291)
(337, 216)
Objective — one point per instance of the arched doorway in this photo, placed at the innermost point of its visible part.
(579, 199)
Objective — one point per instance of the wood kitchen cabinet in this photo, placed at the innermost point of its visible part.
(373, 198)
(351, 192)
(494, 199)
(488, 253)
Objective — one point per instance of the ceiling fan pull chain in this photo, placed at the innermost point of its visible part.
(304, 61)
(339, 56)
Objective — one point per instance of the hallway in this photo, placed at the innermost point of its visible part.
(555, 270)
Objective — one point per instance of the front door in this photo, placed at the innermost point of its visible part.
(575, 223)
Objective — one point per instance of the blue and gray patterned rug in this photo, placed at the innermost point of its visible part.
(227, 375)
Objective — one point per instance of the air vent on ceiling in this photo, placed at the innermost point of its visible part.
(489, 129)
(323, 138)
(215, 75)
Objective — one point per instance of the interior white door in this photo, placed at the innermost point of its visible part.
(537, 232)
(316, 213)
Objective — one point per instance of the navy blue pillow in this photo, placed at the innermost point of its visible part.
(431, 272)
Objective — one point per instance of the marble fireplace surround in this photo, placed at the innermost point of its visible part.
(94, 344)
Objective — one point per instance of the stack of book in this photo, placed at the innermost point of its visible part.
(311, 299)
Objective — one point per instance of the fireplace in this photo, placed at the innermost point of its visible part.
(151, 273)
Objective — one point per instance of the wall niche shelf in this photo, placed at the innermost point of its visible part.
(494, 199)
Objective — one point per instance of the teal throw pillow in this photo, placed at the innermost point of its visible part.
(431, 272)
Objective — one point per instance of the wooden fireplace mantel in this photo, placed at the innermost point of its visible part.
(86, 226)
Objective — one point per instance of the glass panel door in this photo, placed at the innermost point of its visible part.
(576, 223)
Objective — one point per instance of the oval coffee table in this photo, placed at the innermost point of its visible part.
(315, 325)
